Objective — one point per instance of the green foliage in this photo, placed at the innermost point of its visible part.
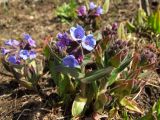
(121, 32)
(154, 20)
(101, 80)
(78, 106)
(67, 11)
(96, 75)
(119, 69)
(131, 105)
(106, 6)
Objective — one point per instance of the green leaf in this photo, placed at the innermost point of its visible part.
(131, 105)
(158, 20)
(46, 51)
(26, 84)
(55, 75)
(154, 20)
(122, 88)
(100, 102)
(106, 6)
(158, 108)
(130, 26)
(65, 85)
(121, 67)
(74, 72)
(112, 113)
(116, 59)
(121, 32)
(96, 75)
(78, 106)
(141, 15)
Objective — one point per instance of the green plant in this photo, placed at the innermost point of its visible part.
(67, 11)
(18, 57)
(109, 70)
(154, 20)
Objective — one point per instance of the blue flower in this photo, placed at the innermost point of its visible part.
(27, 36)
(70, 61)
(30, 40)
(92, 5)
(99, 11)
(12, 59)
(82, 10)
(12, 42)
(64, 40)
(77, 33)
(32, 54)
(24, 54)
(88, 42)
(4, 51)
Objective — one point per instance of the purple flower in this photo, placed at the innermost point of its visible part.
(77, 33)
(82, 10)
(4, 51)
(80, 58)
(92, 5)
(32, 54)
(12, 59)
(12, 42)
(30, 40)
(64, 40)
(88, 42)
(114, 26)
(99, 11)
(27, 36)
(24, 54)
(70, 61)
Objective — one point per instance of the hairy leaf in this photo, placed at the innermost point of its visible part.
(131, 105)
(78, 106)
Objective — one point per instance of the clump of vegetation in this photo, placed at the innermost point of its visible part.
(67, 12)
(98, 75)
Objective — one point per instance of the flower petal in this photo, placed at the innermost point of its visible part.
(77, 33)
(70, 61)
(72, 30)
(32, 42)
(99, 11)
(4, 51)
(24, 54)
(12, 42)
(88, 42)
(92, 5)
(29, 40)
(82, 10)
(32, 54)
(12, 59)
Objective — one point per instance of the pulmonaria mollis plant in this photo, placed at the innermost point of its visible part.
(19, 58)
(16, 52)
(80, 78)
(90, 16)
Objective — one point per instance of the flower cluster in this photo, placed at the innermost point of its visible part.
(117, 46)
(75, 44)
(15, 51)
(110, 32)
(94, 10)
(148, 56)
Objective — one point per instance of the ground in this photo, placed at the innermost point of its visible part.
(38, 19)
